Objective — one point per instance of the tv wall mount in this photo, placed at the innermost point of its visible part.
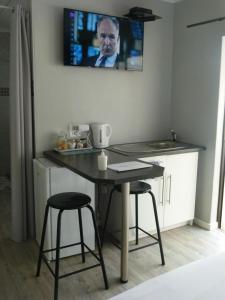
(141, 14)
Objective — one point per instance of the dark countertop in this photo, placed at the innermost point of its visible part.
(186, 149)
(86, 166)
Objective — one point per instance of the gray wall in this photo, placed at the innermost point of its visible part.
(136, 104)
(197, 55)
(4, 104)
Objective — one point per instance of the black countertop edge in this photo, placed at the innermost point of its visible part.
(85, 165)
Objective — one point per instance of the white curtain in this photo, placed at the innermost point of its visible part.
(21, 132)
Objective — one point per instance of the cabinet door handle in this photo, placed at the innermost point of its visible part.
(161, 202)
(170, 179)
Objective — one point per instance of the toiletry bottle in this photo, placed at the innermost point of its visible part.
(102, 161)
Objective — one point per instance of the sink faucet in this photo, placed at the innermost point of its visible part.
(174, 135)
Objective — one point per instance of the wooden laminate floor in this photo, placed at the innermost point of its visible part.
(18, 263)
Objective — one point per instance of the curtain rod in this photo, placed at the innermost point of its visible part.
(206, 22)
(6, 7)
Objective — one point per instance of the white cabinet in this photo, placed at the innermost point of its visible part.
(174, 194)
(177, 205)
(50, 179)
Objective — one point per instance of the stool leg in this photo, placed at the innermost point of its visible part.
(42, 240)
(107, 216)
(136, 217)
(58, 237)
(99, 247)
(157, 227)
(81, 235)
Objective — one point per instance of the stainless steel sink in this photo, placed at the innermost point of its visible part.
(148, 147)
(165, 145)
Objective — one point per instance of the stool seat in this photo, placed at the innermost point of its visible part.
(69, 200)
(137, 187)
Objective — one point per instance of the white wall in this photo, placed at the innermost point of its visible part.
(197, 55)
(4, 105)
(137, 104)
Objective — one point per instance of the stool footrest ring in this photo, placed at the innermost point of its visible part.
(144, 246)
(140, 247)
(78, 271)
(152, 236)
(74, 272)
(62, 247)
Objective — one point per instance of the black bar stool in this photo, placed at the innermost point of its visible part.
(69, 201)
(137, 188)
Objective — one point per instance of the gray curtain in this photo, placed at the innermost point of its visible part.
(21, 136)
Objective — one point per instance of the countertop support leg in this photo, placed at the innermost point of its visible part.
(125, 231)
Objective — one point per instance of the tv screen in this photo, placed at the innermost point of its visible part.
(102, 41)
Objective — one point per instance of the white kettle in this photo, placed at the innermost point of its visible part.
(101, 134)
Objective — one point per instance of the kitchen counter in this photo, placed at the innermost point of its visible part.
(176, 148)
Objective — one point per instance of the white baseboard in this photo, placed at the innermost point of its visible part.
(175, 226)
(207, 226)
(200, 223)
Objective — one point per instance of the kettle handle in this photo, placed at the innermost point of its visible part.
(110, 130)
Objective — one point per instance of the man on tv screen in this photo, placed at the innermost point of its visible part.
(109, 40)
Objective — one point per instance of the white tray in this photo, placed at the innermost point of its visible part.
(73, 150)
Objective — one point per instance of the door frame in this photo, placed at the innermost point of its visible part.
(221, 181)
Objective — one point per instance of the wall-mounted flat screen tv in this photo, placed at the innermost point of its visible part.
(102, 41)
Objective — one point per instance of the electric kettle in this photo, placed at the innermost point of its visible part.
(101, 134)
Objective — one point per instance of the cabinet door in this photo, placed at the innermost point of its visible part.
(180, 177)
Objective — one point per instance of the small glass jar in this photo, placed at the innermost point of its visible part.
(61, 143)
(72, 144)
